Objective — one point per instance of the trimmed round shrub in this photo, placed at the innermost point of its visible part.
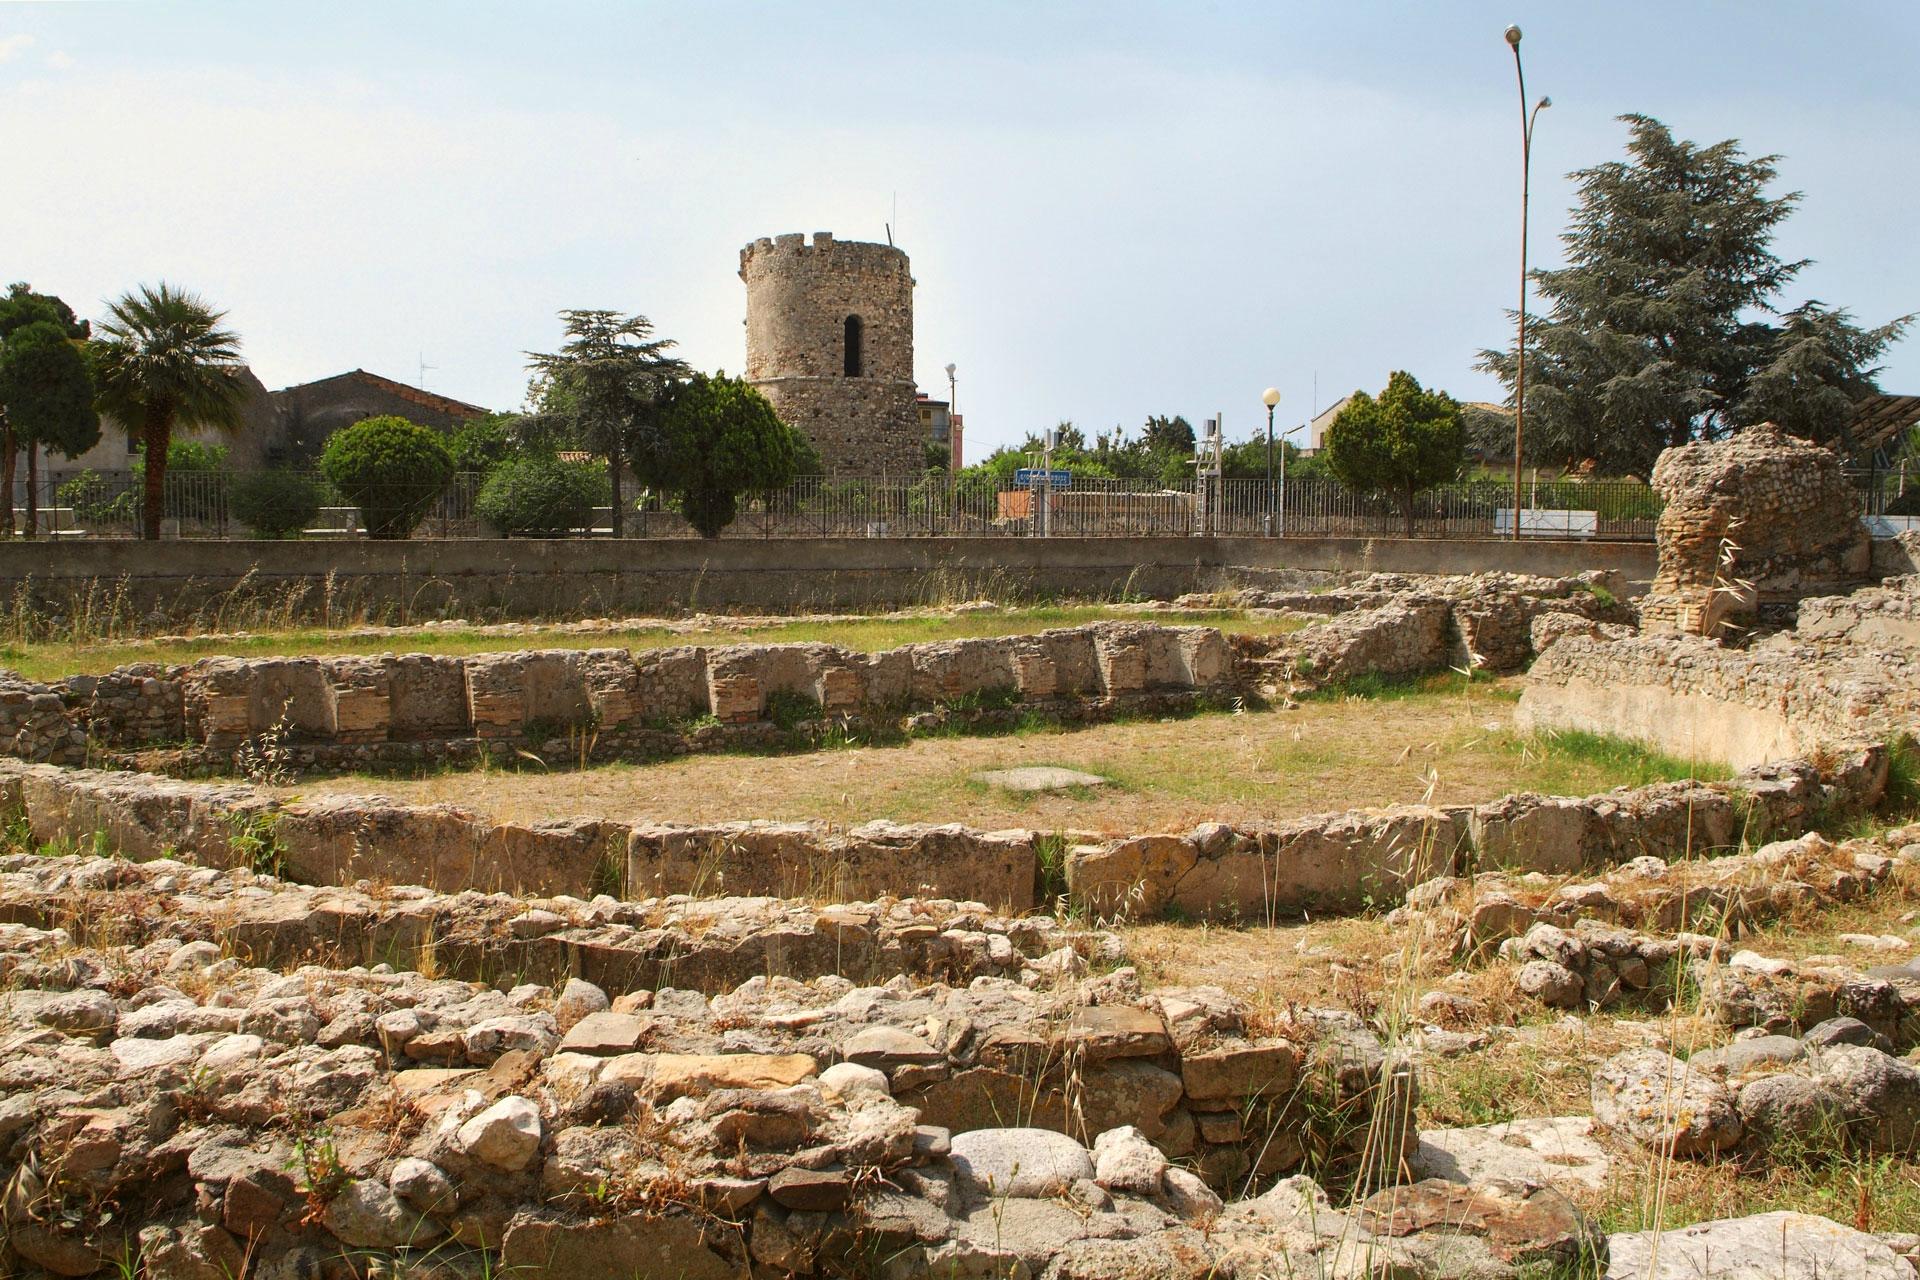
(392, 469)
(540, 496)
(274, 504)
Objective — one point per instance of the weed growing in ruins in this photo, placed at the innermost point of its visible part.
(1600, 594)
(1902, 798)
(609, 870)
(264, 760)
(322, 1175)
(1001, 697)
(1049, 870)
(253, 838)
(789, 709)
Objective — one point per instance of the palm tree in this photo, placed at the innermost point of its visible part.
(165, 361)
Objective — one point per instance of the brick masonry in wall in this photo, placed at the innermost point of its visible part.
(1759, 518)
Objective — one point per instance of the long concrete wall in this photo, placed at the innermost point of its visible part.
(482, 578)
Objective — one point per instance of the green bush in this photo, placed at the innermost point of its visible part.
(540, 496)
(275, 504)
(481, 444)
(392, 469)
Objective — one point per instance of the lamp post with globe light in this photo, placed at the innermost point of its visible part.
(1527, 118)
(1271, 397)
(953, 440)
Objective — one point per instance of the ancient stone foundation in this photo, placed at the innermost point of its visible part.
(1759, 518)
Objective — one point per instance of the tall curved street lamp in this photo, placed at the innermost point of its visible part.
(1527, 118)
(1271, 397)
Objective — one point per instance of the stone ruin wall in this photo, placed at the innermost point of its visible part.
(517, 1119)
(799, 296)
(410, 710)
(1694, 699)
(605, 703)
(1248, 871)
(1759, 518)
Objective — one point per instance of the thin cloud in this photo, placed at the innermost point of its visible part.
(12, 46)
(60, 60)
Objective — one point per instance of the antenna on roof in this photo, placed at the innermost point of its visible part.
(421, 381)
(889, 227)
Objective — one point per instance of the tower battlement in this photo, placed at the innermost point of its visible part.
(830, 343)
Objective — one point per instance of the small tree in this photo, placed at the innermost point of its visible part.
(540, 496)
(275, 504)
(1659, 329)
(165, 360)
(607, 387)
(20, 308)
(392, 469)
(1407, 440)
(481, 444)
(719, 438)
(48, 393)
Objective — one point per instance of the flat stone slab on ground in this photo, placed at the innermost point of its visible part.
(1039, 777)
(1558, 1151)
(1767, 1246)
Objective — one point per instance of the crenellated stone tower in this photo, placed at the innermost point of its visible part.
(830, 343)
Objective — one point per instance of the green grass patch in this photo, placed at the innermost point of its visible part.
(1375, 687)
(1556, 760)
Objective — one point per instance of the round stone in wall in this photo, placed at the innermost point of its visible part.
(1039, 777)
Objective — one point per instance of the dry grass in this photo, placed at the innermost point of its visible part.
(1455, 745)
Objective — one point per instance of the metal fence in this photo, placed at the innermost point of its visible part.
(199, 504)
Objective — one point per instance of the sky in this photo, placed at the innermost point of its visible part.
(1113, 209)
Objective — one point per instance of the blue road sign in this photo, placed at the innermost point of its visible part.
(1027, 477)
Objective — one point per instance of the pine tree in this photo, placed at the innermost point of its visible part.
(1659, 329)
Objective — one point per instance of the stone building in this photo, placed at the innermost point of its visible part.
(288, 427)
(312, 411)
(830, 343)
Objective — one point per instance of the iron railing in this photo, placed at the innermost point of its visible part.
(199, 505)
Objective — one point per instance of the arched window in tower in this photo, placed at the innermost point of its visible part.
(854, 355)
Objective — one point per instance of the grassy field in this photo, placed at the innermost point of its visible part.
(51, 659)
(1443, 740)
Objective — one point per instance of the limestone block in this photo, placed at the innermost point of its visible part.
(427, 698)
(1782, 1245)
(1133, 878)
(1330, 861)
(671, 684)
(1530, 832)
(362, 699)
(612, 688)
(339, 840)
(888, 676)
(580, 856)
(1076, 663)
(554, 688)
(842, 689)
(956, 668)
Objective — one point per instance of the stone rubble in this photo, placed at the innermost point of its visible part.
(215, 1112)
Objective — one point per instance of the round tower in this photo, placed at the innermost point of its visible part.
(830, 343)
